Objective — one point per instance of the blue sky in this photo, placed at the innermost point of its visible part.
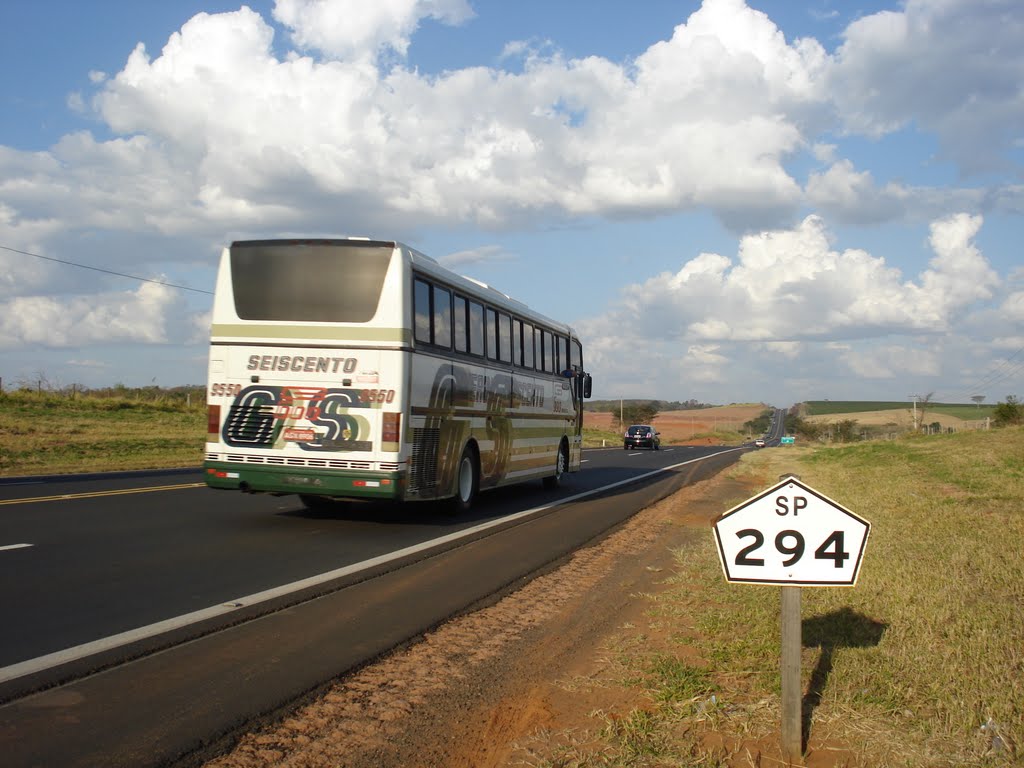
(733, 202)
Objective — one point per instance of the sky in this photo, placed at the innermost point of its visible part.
(762, 201)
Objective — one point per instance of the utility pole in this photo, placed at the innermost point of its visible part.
(915, 398)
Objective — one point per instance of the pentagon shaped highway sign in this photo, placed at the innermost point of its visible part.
(791, 535)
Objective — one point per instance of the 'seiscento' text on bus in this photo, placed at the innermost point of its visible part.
(360, 369)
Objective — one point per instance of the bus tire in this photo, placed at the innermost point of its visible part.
(467, 481)
(561, 467)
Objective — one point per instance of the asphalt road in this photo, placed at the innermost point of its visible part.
(148, 618)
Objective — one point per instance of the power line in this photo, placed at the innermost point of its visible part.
(1003, 371)
(107, 271)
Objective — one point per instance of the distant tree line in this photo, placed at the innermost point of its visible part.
(1006, 414)
(612, 406)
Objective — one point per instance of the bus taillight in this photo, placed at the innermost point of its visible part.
(390, 427)
(212, 423)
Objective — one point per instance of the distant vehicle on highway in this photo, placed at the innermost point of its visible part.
(759, 443)
(641, 436)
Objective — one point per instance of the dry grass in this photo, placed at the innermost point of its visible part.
(922, 663)
(50, 434)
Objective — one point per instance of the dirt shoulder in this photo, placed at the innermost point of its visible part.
(506, 684)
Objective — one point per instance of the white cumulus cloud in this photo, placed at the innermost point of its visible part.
(142, 315)
(952, 68)
(347, 29)
(791, 285)
(787, 289)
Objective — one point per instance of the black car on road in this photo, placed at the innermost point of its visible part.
(641, 436)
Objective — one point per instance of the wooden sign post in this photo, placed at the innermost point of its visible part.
(795, 537)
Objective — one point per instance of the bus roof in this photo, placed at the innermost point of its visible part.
(470, 285)
(481, 290)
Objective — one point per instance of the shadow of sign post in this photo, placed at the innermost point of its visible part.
(844, 628)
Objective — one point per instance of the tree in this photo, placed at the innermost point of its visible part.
(846, 430)
(38, 382)
(798, 426)
(638, 413)
(921, 404)
(1010, 413)
(760, 424)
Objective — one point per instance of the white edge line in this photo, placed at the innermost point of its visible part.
(41, 663)
(14, 546)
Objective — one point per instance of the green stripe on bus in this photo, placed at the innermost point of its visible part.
(331, 332)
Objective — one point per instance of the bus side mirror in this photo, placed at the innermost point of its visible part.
(587, 384)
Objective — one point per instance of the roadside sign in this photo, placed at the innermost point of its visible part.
(795, 537)
(791, 535)
(788, 440)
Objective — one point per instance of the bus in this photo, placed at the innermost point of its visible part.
(356, 369)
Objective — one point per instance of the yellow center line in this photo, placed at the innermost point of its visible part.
(96, 494)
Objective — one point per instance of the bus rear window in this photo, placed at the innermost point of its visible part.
(324, 282)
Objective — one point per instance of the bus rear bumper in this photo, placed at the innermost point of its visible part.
(319, 482)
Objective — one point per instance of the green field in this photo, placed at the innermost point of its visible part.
(968, 412)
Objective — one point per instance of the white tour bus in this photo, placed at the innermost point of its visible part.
(362, 369)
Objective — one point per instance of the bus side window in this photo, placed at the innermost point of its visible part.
(527, 345)
(476, 329)
(442, 317)
(460, 327)
(517, 342)
(576, 352)
(492, 334)
(421, 308)
(505, 338)
(561, 354)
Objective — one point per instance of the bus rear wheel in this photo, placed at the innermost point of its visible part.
(561, 467)
(467, 482)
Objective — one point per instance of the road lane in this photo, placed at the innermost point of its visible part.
(105, 566)
(165, 704)
(98, 494)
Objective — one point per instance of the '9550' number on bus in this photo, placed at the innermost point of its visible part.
(377, 395)
(225, 390)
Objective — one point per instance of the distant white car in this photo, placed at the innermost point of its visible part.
(759, 443)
